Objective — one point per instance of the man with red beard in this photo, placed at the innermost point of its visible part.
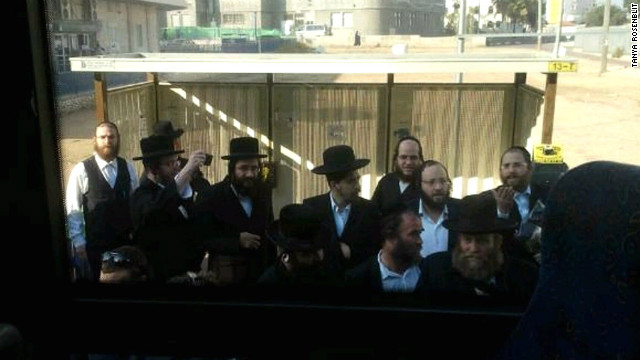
(477, 270)
(517, 195)
(397, 186)
(515, 199)
(434, 205)
(97, 202)
(234, 214)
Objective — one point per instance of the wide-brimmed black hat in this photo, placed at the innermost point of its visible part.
(165, 128)
(244, 148)
(478, 215)
(299, 228)
(155, 146)
(339, 158)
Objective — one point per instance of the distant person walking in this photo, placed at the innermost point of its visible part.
(357, 39)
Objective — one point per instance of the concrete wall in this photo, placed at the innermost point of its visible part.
(590, 39)
(114, 27)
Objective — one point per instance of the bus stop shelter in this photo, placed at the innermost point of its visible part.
(298, 104)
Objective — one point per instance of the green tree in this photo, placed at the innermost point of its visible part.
(626, 5)
(519, 11)
(595, 16)
(451, 28)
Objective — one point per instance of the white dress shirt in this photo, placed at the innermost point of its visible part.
(435, 237)
(394, 282)
(340, 216)
(78, 185)
(403, 185)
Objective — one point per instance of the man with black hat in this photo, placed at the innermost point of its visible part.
(477, 268)
(165, 128)
(235, 213)
(301, 241)
(353, 220)
(162, 209)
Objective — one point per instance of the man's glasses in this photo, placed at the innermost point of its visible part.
(114, 257)
(436, 181)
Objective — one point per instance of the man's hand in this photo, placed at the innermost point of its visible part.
(345, 250)
(249, 241)
(196, 159)
(504, 198)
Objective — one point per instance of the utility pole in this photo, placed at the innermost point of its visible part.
(539, 24)
(462, 12)
(556, 47)
(605, 36)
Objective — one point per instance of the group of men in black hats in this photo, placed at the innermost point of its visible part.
(411, 237)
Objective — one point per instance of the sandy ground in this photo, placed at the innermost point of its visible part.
(597, 117)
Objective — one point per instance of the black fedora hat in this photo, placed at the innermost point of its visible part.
(243, 148)
(165, 128)
(339, 158)
(155, 146)
(477, 215)
(299, 228)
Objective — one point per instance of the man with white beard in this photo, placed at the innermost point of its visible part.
(477, 269)
(97, 202)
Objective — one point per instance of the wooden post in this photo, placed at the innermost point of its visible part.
(153, 77)
(549, 107)
(270, 113)
(100, 90)
(519, 79)
(390, 81)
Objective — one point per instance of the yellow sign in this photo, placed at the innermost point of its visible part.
(562, 66)
(547, 154)
(553, 11)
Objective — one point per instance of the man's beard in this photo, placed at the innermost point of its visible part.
(246, 187)
(519, 184)
(107, 152)
(432, 203)
(307, 273)
(406, 254)
(402, 176)
(476, 267)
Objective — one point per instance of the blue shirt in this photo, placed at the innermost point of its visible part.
(394, 282)
(522, 201)
(340, 216)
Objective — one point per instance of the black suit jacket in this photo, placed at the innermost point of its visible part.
(367, 277)
(515, 282)
(387, 193)
(222, 218)
(361, 232)
(453, 208)
(169, 239)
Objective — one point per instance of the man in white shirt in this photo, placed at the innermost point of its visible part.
(434, 205)
(97, 202)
